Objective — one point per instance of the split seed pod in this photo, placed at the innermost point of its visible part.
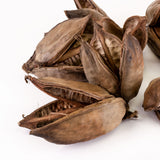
(153, 21)
(55, 43)
(73, 91)
(96, 71)
(75, 124)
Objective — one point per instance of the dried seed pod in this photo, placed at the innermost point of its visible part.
(76, 73)
(136, 26)
(47, 114)
(70, 91)
(89, 4)
(152, 96)
(153, 21)
(96, 71)
(81, 125)
(109, 46)
(111, 27)
(131, 67)
(56, 42)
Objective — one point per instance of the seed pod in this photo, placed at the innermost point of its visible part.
(89, 4)
(152, 96)
(96, 71)
(70, 91)
(47, 114)
(136, 26)
(131, 67)
(56, 42)
(81, 125)
(153, 21)
(75, 73)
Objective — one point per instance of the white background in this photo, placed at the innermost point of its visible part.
(22, 25)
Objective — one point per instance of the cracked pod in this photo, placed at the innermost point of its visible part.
(82, 112)
(64, 123)
(96, 71)
(55, 43)
(153, 21)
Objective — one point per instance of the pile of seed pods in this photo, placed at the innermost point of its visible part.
(93, 68)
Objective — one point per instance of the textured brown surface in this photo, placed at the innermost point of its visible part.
(96, 71)
(85, 124)
(131, 67)
(74, 73)
(55, 43)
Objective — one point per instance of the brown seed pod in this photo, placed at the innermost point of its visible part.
(56, 42)
(80, 125)
(70, 91)
(131, 67)
(96, 71)
(152, 96)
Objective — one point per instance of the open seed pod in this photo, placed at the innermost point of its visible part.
(63, 123)
(55, 43)
(82, 112)
(153, 21)
(96, 71)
